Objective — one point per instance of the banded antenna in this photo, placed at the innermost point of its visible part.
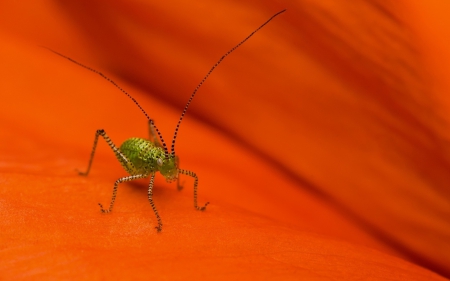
(166, 152)
(207, 75)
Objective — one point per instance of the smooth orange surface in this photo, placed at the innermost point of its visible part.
(321, 143)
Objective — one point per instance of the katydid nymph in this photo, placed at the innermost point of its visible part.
(142, 158)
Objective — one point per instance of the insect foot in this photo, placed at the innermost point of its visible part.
(104, 211)
(80, 173)
(202, 208)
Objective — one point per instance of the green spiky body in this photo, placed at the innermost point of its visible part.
(145, 158)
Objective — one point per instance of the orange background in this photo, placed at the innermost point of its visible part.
(321, 143)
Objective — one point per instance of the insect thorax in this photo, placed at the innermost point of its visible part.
(147, 158)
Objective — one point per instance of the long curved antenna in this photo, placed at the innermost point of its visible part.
(123, 91)
(207, 75)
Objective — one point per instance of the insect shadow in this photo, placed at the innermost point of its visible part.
(142, 158)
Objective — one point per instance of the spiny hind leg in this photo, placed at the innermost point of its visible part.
(150, 198)
(116, 184)
(152, 135)
(193, 175)
(117, 152)
(97, 133)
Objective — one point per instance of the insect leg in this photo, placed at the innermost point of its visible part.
(192, 174)
(150, 198)
(179, 185)
(119, 155)
(152, 134)
(116, 184)
(92, 155)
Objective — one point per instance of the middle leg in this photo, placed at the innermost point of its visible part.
(116, 185)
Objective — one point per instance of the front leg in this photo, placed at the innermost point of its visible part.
(192, 174)
(179, 185)
(150, 198)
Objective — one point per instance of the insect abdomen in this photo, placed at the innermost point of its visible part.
(143, 154)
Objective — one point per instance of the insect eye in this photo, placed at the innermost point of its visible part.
(159, 161)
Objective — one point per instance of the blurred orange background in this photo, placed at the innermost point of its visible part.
(321, 143)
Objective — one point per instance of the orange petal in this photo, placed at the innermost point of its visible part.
(305, 142)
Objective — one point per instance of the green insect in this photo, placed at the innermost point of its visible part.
(142, 158)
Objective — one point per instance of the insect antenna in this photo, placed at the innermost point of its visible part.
(123, 91)
(207, 75)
